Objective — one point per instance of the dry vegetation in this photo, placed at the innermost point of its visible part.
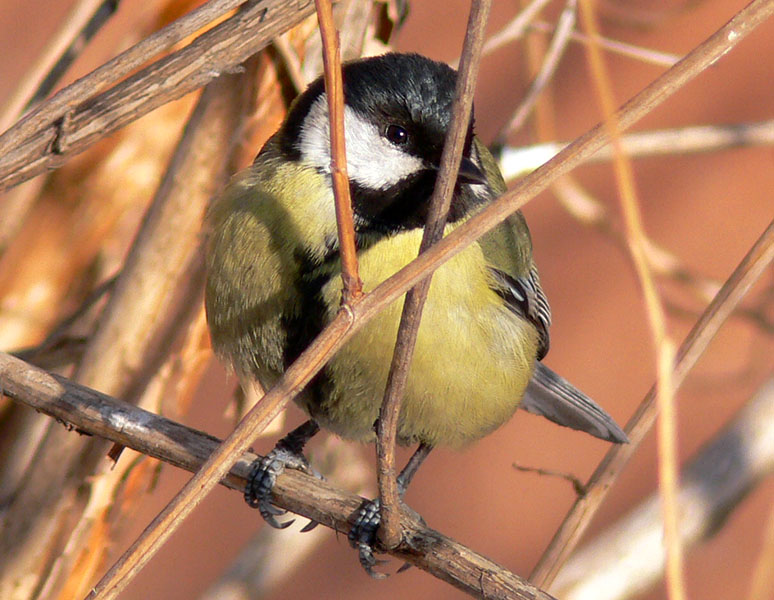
(101, 284)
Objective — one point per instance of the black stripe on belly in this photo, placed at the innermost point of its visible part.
(309, 320)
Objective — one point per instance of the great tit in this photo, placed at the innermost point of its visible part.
(273, 278)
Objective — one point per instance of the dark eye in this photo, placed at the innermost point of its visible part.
(396, 134)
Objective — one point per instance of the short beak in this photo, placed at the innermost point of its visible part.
(470, 173)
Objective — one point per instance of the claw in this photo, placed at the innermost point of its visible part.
(263, 476)
(362, 536)
(368, 561)
(404, 567)
(309, 526)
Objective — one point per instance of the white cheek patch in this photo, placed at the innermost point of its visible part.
(372, 161)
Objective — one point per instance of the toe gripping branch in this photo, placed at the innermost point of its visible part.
(363, 535)
(264, 472)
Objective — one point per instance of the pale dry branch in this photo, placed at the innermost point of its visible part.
(752, 266)
(348, 321)
(88, 411)
(516, 162)
(628, 557)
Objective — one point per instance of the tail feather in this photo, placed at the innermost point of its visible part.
(552, 396)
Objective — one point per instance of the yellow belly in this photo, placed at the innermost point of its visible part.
(472, 362)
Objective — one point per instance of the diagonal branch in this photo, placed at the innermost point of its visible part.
(94, 413)
(753, 265)
(69, 123)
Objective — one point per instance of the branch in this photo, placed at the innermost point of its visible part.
(516, 162)
(350, 319)
(753, 265)
(628, 558)
(78, 28)
(334, 88)
(94, 413)
(389, 530)
(75, 118)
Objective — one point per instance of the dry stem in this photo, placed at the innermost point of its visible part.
(334, 88)
(90, 411)
(389, 530)
(664, 345)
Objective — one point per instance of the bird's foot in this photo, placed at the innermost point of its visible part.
(263, 475)
(362, 537)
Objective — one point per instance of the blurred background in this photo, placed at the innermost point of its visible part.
(706, 209)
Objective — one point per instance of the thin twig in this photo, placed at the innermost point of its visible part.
(559, 43)
(349, 320)
(72, 120)
(78, 27)
(516, 162)
(98, 414)
(663, 343)
(334, 88)
(389, 530)
(753, 265)
(627, 559)
(515, 28)
(646, 55)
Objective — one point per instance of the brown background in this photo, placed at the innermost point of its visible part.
(708, 209)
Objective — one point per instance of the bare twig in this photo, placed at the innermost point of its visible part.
(663, 343)
(113, 71)
(389, 530)
(567, 536)
(647, 55)
(334, 88)
(564, 28)
(515, 162)
(350, 319)
(89, 411)
(628, 558)
(70, 122)
(79, 26)
(516, 28)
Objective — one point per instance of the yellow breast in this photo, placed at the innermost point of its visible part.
(472, 362)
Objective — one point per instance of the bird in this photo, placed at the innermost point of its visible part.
(273, 280)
